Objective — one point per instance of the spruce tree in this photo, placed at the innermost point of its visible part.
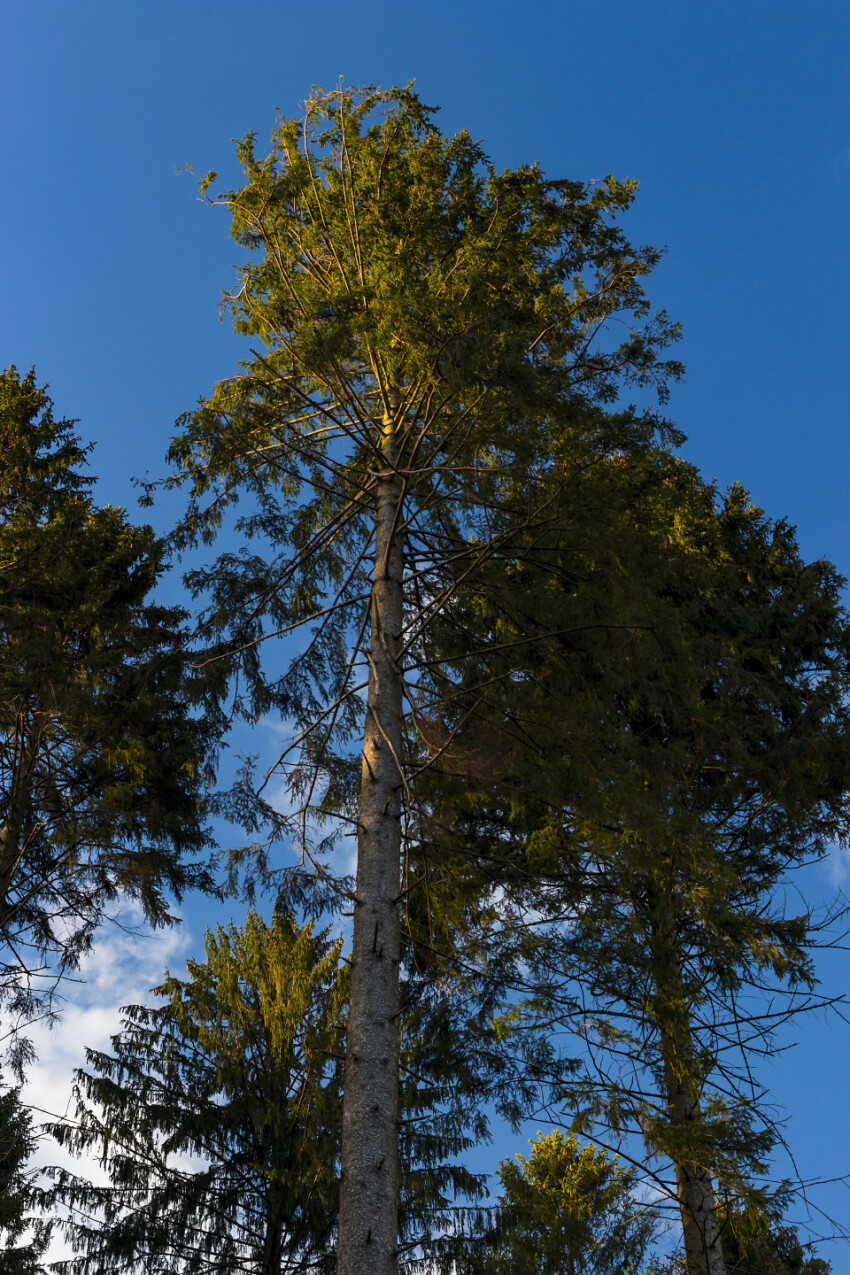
(240, 1071)
(658, 781)
(433, 332)
(216, 1116)
(566, 1209)
(101, 762)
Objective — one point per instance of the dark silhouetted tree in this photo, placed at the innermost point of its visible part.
(23, 1231)
(101, 762)
(659, 778)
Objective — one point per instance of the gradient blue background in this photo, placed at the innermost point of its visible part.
(733, 117)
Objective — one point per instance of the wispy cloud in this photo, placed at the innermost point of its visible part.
(838, 867)
(120, 970)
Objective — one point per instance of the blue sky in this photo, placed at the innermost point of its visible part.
(733, 117)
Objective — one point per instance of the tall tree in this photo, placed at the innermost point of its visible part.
(741, 770)
(101, 763)
(216, 1116)
(711, 734)
(433, 331)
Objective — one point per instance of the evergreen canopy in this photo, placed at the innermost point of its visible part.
(217, 1116)
(637, 798)
(102, 766)
(434, 335)
(566, 1209)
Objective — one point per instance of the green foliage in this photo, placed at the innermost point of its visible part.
(432, 341)
(17, 1194)
(101, 763)
(644, 684)
(729, 767)
(391, 265)
(216, 1117)
(441, 1118)
(664, 738)
(756, 1242)
(566, 1210)
(242, 1070)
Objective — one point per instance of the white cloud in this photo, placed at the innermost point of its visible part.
(120, 970)
(838, 867)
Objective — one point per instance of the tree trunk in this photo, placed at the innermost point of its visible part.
(12, 839)
(10, 855)
(695, 1190)
(694, 1187)
(368, 1222)
(270, 1262)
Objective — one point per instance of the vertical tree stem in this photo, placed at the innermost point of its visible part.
(368, 1224)
(694, 1187)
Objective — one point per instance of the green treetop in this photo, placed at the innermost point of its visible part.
(567, 1209)
(238, 1078)
(216, 1117)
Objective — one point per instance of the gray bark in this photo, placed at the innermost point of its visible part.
(695, 1192)
(368, 1222)
(694, 1186)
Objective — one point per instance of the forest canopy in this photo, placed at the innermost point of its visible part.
(579, 712)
